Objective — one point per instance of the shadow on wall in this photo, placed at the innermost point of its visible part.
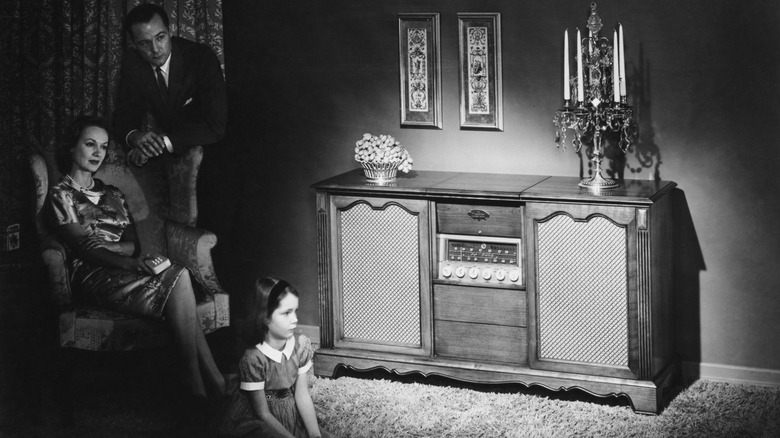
(688, 264)
(643, 152)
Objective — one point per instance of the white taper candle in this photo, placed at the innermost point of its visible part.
(566, 88)
(580, 85)
(590, 42)
(622, 62)
(615, 68)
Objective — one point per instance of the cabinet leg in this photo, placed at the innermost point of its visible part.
(651, 401)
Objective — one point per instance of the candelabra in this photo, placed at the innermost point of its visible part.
(600, 90)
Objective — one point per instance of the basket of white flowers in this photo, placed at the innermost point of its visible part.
(382, 157)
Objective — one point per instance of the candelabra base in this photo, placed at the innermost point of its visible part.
(597, 182)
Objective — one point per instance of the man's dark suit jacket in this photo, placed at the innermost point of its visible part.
(196, 109)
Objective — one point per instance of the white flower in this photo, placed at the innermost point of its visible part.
(382, 149)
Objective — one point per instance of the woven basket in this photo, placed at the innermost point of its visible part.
(385, 172)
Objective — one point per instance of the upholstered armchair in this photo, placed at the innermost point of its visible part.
(162, 200)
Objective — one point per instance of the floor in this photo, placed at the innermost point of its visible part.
(114, 394)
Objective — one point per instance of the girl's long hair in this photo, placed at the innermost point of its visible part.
(266, 295)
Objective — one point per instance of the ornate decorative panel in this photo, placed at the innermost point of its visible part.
(478, 73)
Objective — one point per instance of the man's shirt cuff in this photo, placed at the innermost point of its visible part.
(168, 144)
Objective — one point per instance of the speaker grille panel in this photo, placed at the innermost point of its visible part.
(582, 291)
(381, 274)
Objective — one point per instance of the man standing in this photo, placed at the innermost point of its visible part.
(177, 81)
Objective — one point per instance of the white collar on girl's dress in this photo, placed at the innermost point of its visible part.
(274, 354)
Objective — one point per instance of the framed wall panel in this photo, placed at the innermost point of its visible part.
(481, 94)
(420, 70)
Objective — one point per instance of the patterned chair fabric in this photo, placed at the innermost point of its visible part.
(162, 200)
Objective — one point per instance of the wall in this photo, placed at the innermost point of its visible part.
(307, 78)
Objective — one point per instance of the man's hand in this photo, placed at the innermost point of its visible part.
(149, 142)
(136, 157)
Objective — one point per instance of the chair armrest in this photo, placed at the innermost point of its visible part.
(191, 247)
(55, 258)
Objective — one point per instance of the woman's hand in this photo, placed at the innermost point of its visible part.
(94, 241)
(91, 247)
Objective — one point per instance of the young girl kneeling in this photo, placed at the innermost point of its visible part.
(273, 399)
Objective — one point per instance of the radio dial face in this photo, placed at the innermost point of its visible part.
(480, 260)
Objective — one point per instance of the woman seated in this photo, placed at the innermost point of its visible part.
(106, 270)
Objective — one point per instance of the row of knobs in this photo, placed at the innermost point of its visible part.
(487, 274)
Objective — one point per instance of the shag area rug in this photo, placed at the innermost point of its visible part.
(359, 408)
(399, 407)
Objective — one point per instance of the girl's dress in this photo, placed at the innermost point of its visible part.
(103, 211)
(265, 368)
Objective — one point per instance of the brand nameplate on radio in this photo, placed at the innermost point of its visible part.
(478, 215)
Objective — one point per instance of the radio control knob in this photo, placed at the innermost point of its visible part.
(474, 273)
(486, 274)
(500, 275)
(460, 271)
(514, 275)
(446, 271)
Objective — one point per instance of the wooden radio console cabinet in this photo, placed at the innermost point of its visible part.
(499, 279)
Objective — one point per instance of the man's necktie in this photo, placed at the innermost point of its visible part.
(161, 84)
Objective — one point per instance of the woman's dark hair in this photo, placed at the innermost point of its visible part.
(143, 13)
(71, 136)
(268, 292)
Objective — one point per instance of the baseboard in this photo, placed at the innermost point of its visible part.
(310, 331)
(731, 374)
